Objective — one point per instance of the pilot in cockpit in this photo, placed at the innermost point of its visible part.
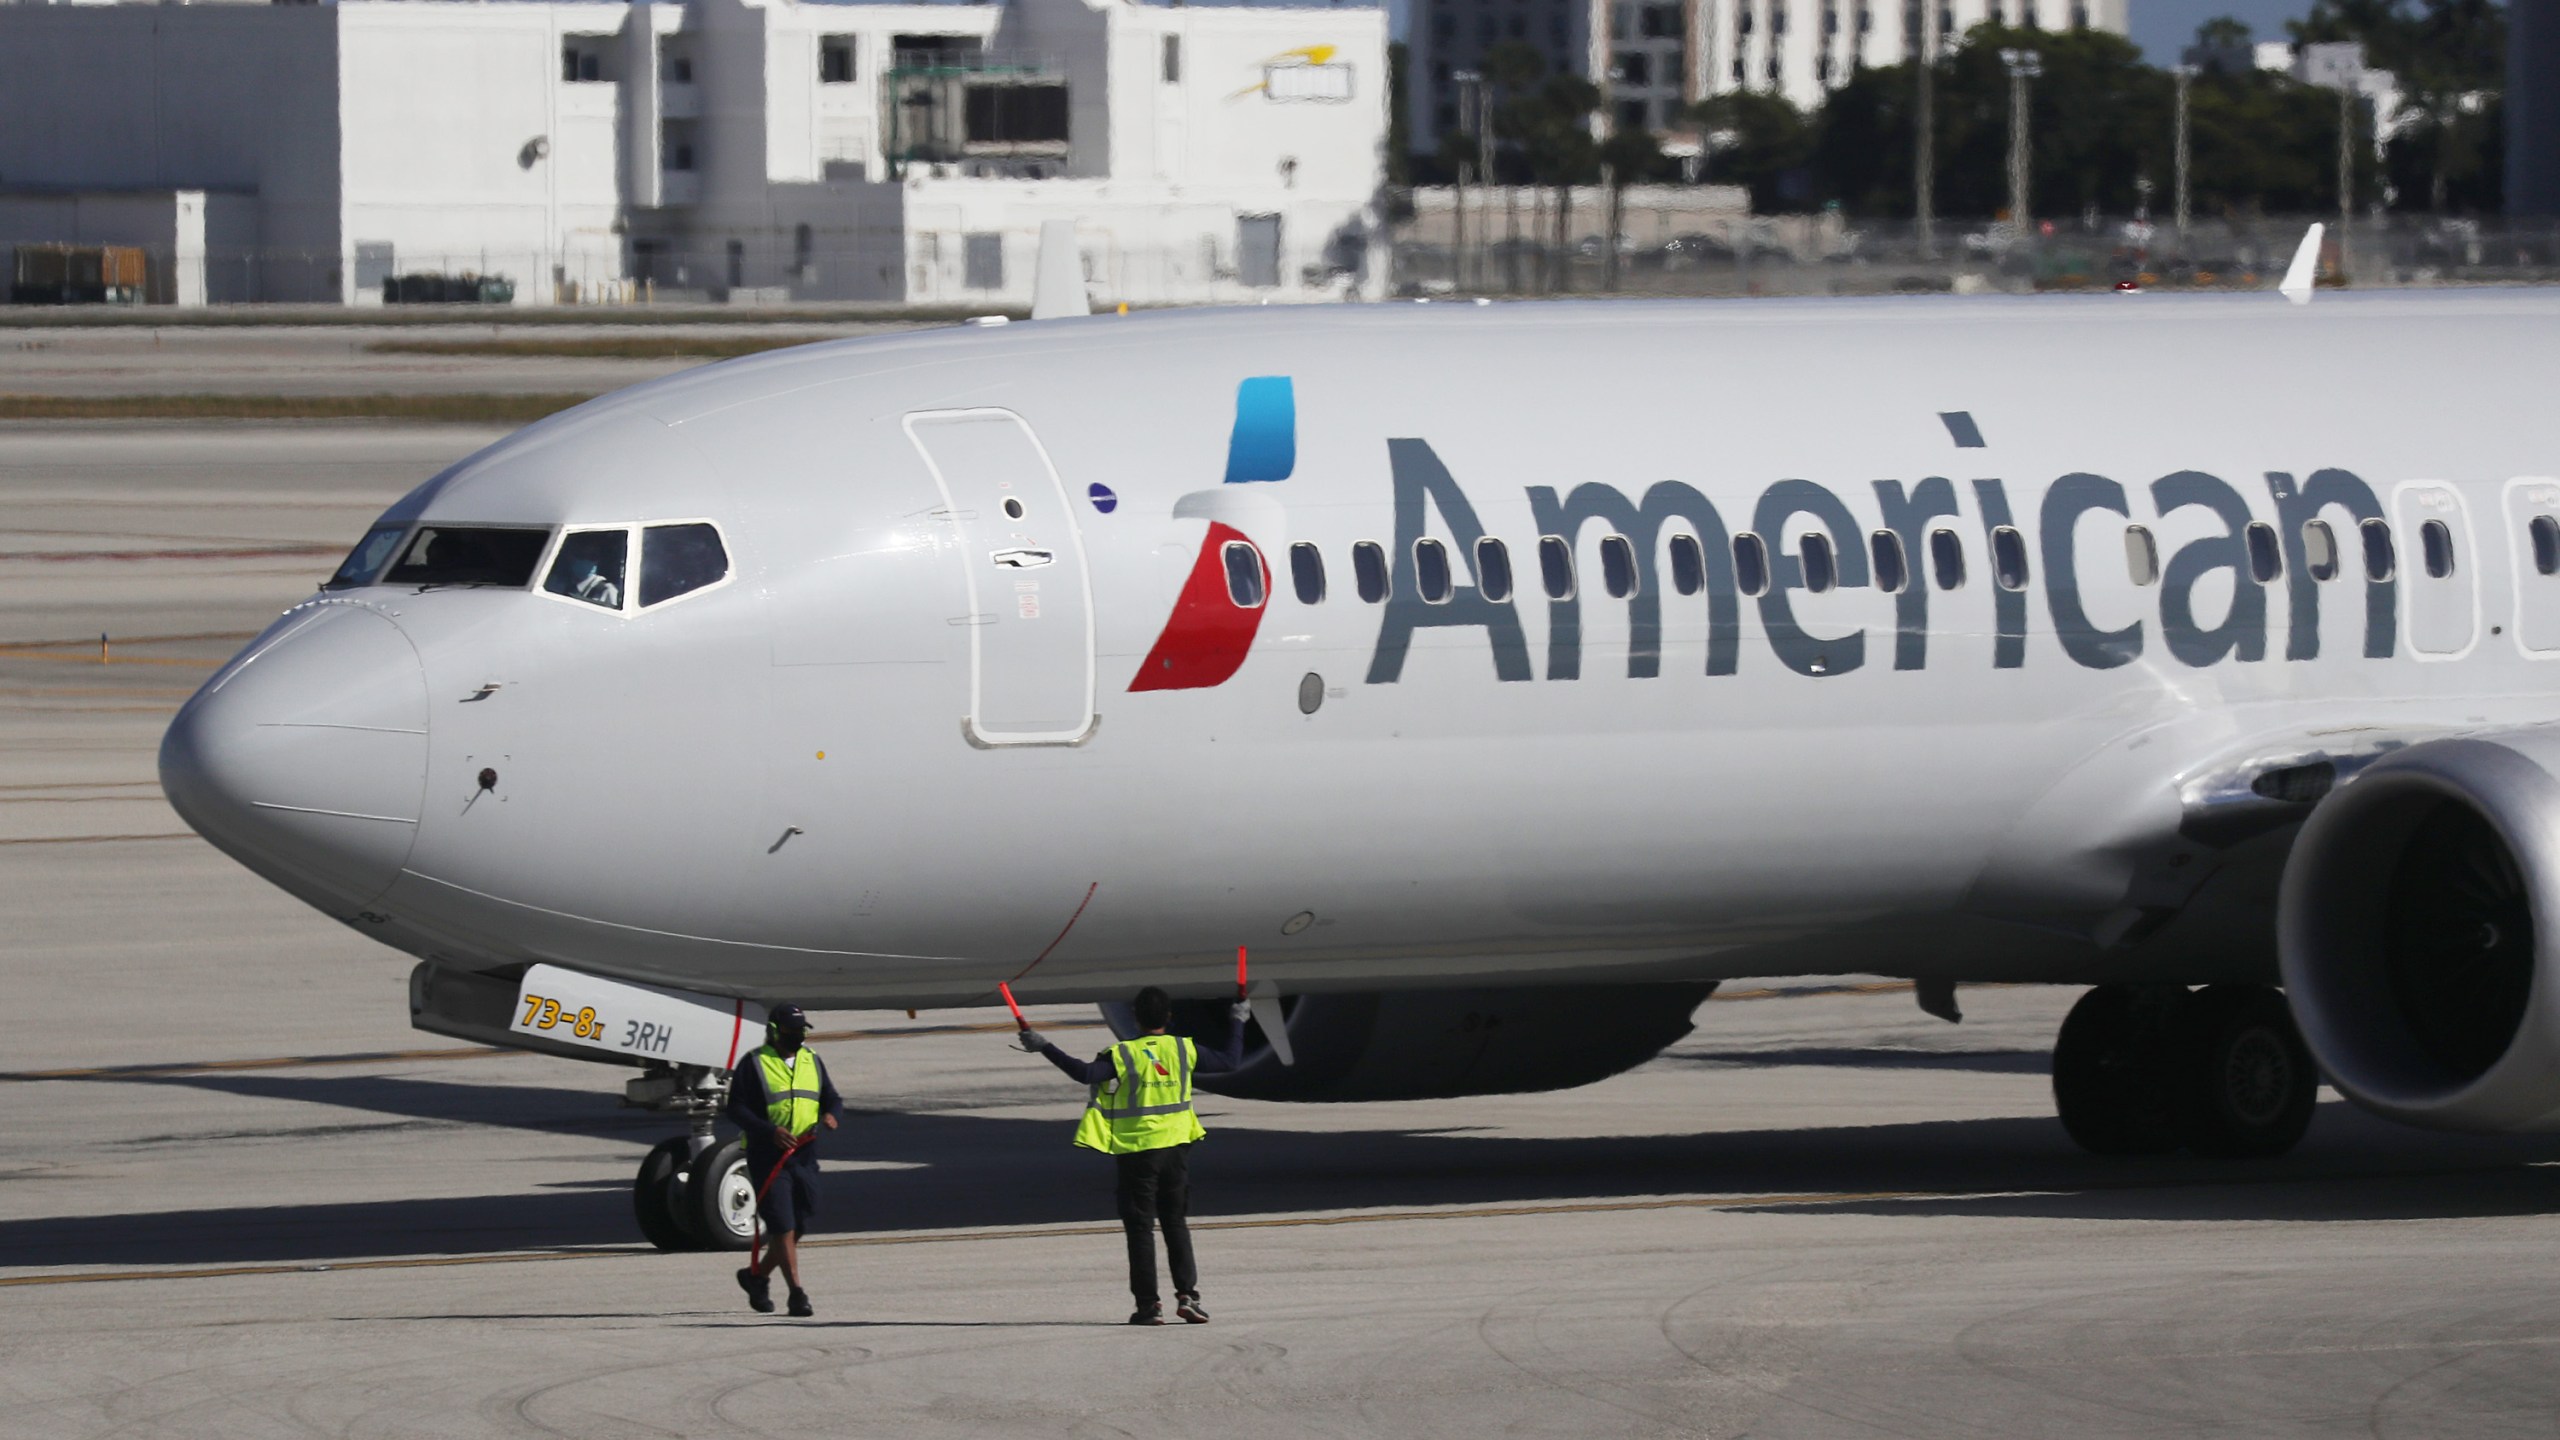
(590, 567)
(588, 583)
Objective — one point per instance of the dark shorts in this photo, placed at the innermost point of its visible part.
(791, 1200)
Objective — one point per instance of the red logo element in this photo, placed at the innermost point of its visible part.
(1209, 634)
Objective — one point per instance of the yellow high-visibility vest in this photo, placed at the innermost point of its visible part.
(790, 1088)
(1146, 1105)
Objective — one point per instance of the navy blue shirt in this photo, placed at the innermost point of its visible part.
(747, 1111)
(1100, 1068)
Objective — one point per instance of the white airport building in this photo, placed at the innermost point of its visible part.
(1651, 58)
(764, 150)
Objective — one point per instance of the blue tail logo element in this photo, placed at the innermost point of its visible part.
(1264, 444)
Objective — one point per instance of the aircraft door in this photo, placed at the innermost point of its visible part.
(2439, 570)
(2533, 540)
(1030, 601)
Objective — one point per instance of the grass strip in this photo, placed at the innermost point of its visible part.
(604, 347)
(475, 409)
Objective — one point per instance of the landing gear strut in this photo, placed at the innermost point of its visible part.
(692, 1192)
(2146, 1069)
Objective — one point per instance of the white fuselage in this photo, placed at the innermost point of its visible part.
(796, 781)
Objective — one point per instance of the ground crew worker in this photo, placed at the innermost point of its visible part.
(778, 1098)
(1139, 1113)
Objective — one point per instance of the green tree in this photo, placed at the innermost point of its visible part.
(1628, 157)
(1771, 143)
(2450, 60)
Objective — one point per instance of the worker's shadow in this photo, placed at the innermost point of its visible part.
(940, 1171)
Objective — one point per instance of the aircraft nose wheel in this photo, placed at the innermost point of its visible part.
(653, 1195)
(2146, 1069)
(721, 1205)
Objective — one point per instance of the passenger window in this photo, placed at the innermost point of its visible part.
(1306, 568)
(1946, 559)
(1244, 575)
(589, 567)
(470, 555)
(2546, 545)
(2437, 544)
(374, 551)
(2141, 556)
(2009, 558)
(1369, 571)
(1618, 566)
(1688, 565)
(1885, 549)
(1431, 571)
(2266, 562)
(1493, 569)
(1555, 566)
(678, 560)
(2381, 557)
(1821, 568)
(2319, 550)
(1750, 564)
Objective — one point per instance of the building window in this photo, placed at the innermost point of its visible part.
(582, 60)
(982, 261)
(1519, 27)
(2079, 18)
(737, 253)
(1663, 22)
(1635, 67)
(1444, 28)
(1630, 114)
(804, 248)
(1773, 68)
(835, 59)
(1778, 19)
(1822, 67)
(1742, 23)
(676, 70)
(1173, 59)
(1015, 114)
(1484, 30)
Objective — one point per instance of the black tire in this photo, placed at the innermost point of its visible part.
(719, 1199)
(2250, 1083)
(2113, 1069)
(653, 1197)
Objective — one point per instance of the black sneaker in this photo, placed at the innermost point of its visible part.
(1150, 1313)
(800, 1306)
(1188, 1307)
(759, 1291)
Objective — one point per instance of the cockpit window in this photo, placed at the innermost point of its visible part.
(590, 567)
(469, 555)
(370, 555)
(678, 560)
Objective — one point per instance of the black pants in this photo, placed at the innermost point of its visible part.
(1155, 1187)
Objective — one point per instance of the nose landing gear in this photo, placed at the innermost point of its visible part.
(2146, 1069)
(692, 1192)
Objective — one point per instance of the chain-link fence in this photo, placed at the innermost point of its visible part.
(1522, 244)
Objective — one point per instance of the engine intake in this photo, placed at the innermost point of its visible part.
(1428, 1044)
(2419, 928)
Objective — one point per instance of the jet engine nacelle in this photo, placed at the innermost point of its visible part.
(2419, 932)
(1428, 1044)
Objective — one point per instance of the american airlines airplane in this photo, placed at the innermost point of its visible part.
(1504, 677)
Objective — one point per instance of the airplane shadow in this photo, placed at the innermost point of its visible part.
(971, 1170)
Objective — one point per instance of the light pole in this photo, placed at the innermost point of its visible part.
(2024, 65)
(2186, 78)
(1924, 160)
(1470, 104)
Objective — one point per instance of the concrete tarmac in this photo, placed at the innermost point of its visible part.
(260, 1205)
(353, 359)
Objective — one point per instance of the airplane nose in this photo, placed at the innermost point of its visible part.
(306, 758)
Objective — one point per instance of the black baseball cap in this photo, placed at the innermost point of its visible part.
(788, 1018)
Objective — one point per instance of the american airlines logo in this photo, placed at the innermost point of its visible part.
(2221, 594)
